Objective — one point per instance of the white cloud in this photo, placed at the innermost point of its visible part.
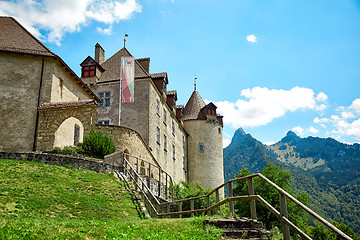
(259, 106)
(355, 106)
(251, 38)
(313, 130)
(321, 97)
(51, 19)
(321, 120)
(298, 130)
(105, 31)
(226, 142)
(345, 123)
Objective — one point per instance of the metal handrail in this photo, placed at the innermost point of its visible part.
(163, 177)
(143, 185)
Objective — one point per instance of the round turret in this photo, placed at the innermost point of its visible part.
(205, 148)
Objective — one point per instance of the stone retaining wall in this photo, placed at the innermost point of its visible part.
(63, 160)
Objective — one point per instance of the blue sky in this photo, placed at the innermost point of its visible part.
(269, 66)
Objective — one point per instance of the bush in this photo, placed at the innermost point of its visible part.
(185, 190)
(76, 151)
(97, 145)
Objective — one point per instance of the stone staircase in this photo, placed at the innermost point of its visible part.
(240, 228)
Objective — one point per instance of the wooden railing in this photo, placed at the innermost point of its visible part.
(163, 209)
(230, 199)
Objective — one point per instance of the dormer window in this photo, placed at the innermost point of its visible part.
(211, 112)
(88, 71)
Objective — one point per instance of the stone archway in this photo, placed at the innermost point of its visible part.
(69, 133)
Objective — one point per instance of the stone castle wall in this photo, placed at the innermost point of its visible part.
(205, 153)
(63, 160)
(129, 141)
(176, 165)
(50, 135)
(108, 113)
(19, 83)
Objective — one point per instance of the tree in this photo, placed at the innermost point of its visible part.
(97, 145)
(281, 178)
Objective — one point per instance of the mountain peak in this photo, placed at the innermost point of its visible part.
(290, 137)
(238, 134)
(291, 134)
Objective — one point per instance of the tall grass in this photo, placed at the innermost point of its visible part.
(39, 201)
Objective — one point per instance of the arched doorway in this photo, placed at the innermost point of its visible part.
(69, 133)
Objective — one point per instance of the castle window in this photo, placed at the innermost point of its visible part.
(183, 142)
(201, 147)
(164, 111)
(104, 122)
(173, 128)
(184, 164)
(158, 134)
(104, 99)
(165, 142)
(219, 130)
(173, 148)
(158, 107)
(88, 71)
(76, 134)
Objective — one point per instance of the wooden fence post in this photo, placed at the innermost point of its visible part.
(218, 200)
(252, 202)
(231, 203)
(208, 206)
(283, 211)
(180, 209)
(192, 206)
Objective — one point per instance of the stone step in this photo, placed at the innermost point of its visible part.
(240, 228)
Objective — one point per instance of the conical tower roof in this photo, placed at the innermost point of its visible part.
(193, 107)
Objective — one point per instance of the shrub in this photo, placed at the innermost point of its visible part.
(76, 151)
(185, 190)
(97, 145)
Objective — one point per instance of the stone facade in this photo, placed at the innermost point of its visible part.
(33, 77)
(205, 153)
(56, 126)
(129, 141)
(19, 95)
(63, 160)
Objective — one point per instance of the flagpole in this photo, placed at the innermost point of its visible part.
(120, 94)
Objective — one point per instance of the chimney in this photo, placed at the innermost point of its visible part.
(99, 54)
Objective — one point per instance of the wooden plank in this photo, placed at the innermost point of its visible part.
(218, 200)
(231, 203)
(284, 212)
(192, 207)
(252, 202)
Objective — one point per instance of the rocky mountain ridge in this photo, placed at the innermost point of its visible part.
(327, 170)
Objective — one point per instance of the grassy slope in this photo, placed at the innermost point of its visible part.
(39, 201)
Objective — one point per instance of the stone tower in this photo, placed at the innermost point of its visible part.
(205, 148)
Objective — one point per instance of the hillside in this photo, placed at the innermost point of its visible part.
(328, 171)
(39, 201)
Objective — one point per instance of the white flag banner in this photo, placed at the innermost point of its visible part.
(127, 72)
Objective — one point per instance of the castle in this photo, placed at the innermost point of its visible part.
(45, 105)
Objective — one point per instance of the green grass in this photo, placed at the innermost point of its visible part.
(39, 201)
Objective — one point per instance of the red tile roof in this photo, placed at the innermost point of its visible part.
(112, 67)
(15, 38)
(193, 107)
